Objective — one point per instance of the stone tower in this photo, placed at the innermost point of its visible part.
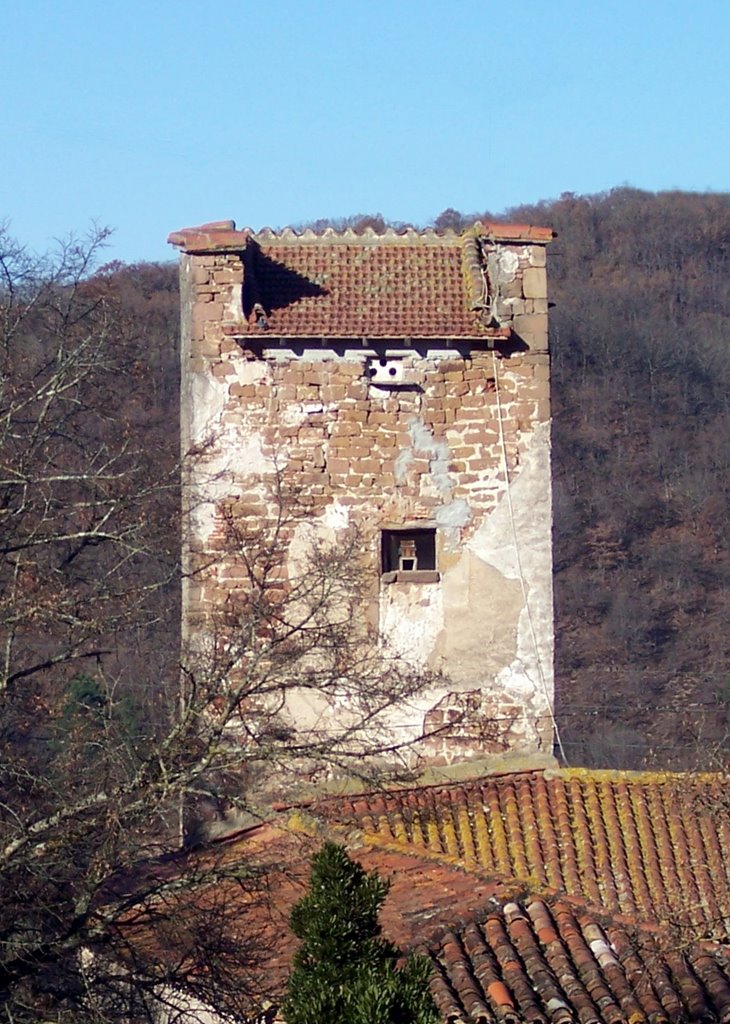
(399, 385)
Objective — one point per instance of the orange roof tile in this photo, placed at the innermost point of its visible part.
(645, 848)
(535, 960)
(614, 894)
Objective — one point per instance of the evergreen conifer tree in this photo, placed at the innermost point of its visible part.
(345, 972)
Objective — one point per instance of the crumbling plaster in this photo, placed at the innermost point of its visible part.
(488, 624)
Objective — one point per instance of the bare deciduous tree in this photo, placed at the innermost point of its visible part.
(99, 745)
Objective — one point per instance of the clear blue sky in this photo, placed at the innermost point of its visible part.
(149, 115)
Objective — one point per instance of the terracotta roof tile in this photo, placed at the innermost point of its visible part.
(360, 289)
(551, 896)
(541, 960)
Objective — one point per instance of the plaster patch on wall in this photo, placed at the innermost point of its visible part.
(336, 516)
(314, 535)
(405, 721)
(242, 455)
(411, 618)
(207, 401)
(233, 307)
(307, 709)
(292, 415)
(218, 473)
(494, 543)
(251, 371)
(402, 462)
(516, 678)
(453, 514)
(481, 615)
(438, 453)
(505, 266)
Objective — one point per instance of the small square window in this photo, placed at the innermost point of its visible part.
(409, 555)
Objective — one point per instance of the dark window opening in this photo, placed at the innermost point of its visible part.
(406, 551)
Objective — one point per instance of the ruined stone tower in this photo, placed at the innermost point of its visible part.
(399, 384)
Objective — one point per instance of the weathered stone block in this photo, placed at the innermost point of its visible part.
(534, 283)
(532, 327)
(511, 289)
(207, 311)
(350, 368)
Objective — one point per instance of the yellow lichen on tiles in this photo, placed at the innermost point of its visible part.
(500, 843)
(418, 838)
(384, 828)
(300, 821)
(434, 839)
(399, 830)
(483, 842)
(515, 833)
(452, 843)
(467, 839)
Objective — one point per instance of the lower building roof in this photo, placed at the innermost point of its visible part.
(539, 896)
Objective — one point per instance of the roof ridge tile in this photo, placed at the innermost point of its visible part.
(407, 236)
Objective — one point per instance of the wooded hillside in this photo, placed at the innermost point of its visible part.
(641, 383)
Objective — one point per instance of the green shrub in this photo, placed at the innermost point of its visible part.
(345, 972)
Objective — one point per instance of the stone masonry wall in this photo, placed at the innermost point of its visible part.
(438, 451)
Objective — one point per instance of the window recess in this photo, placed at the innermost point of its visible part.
(409, 556)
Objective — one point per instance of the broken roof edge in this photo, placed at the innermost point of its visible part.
(222, 236)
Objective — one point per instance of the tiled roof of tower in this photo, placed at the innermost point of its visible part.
(409, 285)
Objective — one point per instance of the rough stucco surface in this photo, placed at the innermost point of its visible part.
(438, 452)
